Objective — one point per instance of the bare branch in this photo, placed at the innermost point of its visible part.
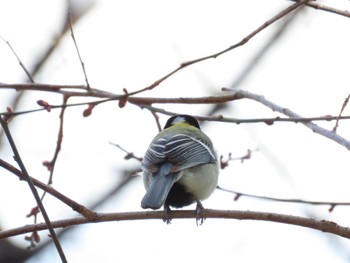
(225, 163)
(77, 49)
(321, 225)
(274, 107)
(341, 112)
(269, 22)
(330, 9)
(220, 118)
(59, 139)
(145, 102)
(33, 189)
(156, 118)
(19, 60)
(129, 155)
(286, 200)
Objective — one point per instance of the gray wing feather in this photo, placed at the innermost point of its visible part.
(182, 150)
(159, 188)
(185, 151)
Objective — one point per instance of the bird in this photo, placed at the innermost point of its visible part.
(180, 167)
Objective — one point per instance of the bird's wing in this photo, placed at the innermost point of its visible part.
(154, 156)
(182, 150)
(185, 151)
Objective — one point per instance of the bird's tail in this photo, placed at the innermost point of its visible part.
(159, 188)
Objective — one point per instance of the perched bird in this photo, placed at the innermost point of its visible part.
(180, 166)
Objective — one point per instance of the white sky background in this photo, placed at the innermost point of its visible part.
(130, 45)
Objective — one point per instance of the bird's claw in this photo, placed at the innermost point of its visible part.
(199, 217)
(167, 217)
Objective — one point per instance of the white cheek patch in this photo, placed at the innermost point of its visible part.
(179, 119)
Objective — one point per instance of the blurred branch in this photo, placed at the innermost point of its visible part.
(84, 211)
(321, 225)
(33, 190)
(262, 52)
(266, 24)
(49, 189)
(45, 56)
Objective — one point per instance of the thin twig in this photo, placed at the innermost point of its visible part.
(225, 163)
(59, 138)
(341, 112)
(33, 189)
(129, 155)
(321, 225)
(19, 60)
(77, 49)
(268, 121)
(330, 9)
(285, 200)
(156, 118)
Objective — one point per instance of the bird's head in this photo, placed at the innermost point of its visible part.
(182, 119)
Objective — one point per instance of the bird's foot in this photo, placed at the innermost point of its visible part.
(167, 217)
(199, 217)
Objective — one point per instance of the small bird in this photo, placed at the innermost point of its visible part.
(180, 166)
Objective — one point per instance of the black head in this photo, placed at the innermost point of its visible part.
(182, 119)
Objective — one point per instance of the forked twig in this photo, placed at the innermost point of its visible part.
(346, 101)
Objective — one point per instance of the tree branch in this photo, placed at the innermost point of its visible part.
(285, 200)
(321, 225)
(330, 9)
(33, 190)
(84, 211)
(274, 107)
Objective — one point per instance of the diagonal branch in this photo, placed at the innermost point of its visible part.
(266, 24)
(274, 107)
(29, 76)
(33, 189)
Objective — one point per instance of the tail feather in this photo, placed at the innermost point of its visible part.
(159, 188)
